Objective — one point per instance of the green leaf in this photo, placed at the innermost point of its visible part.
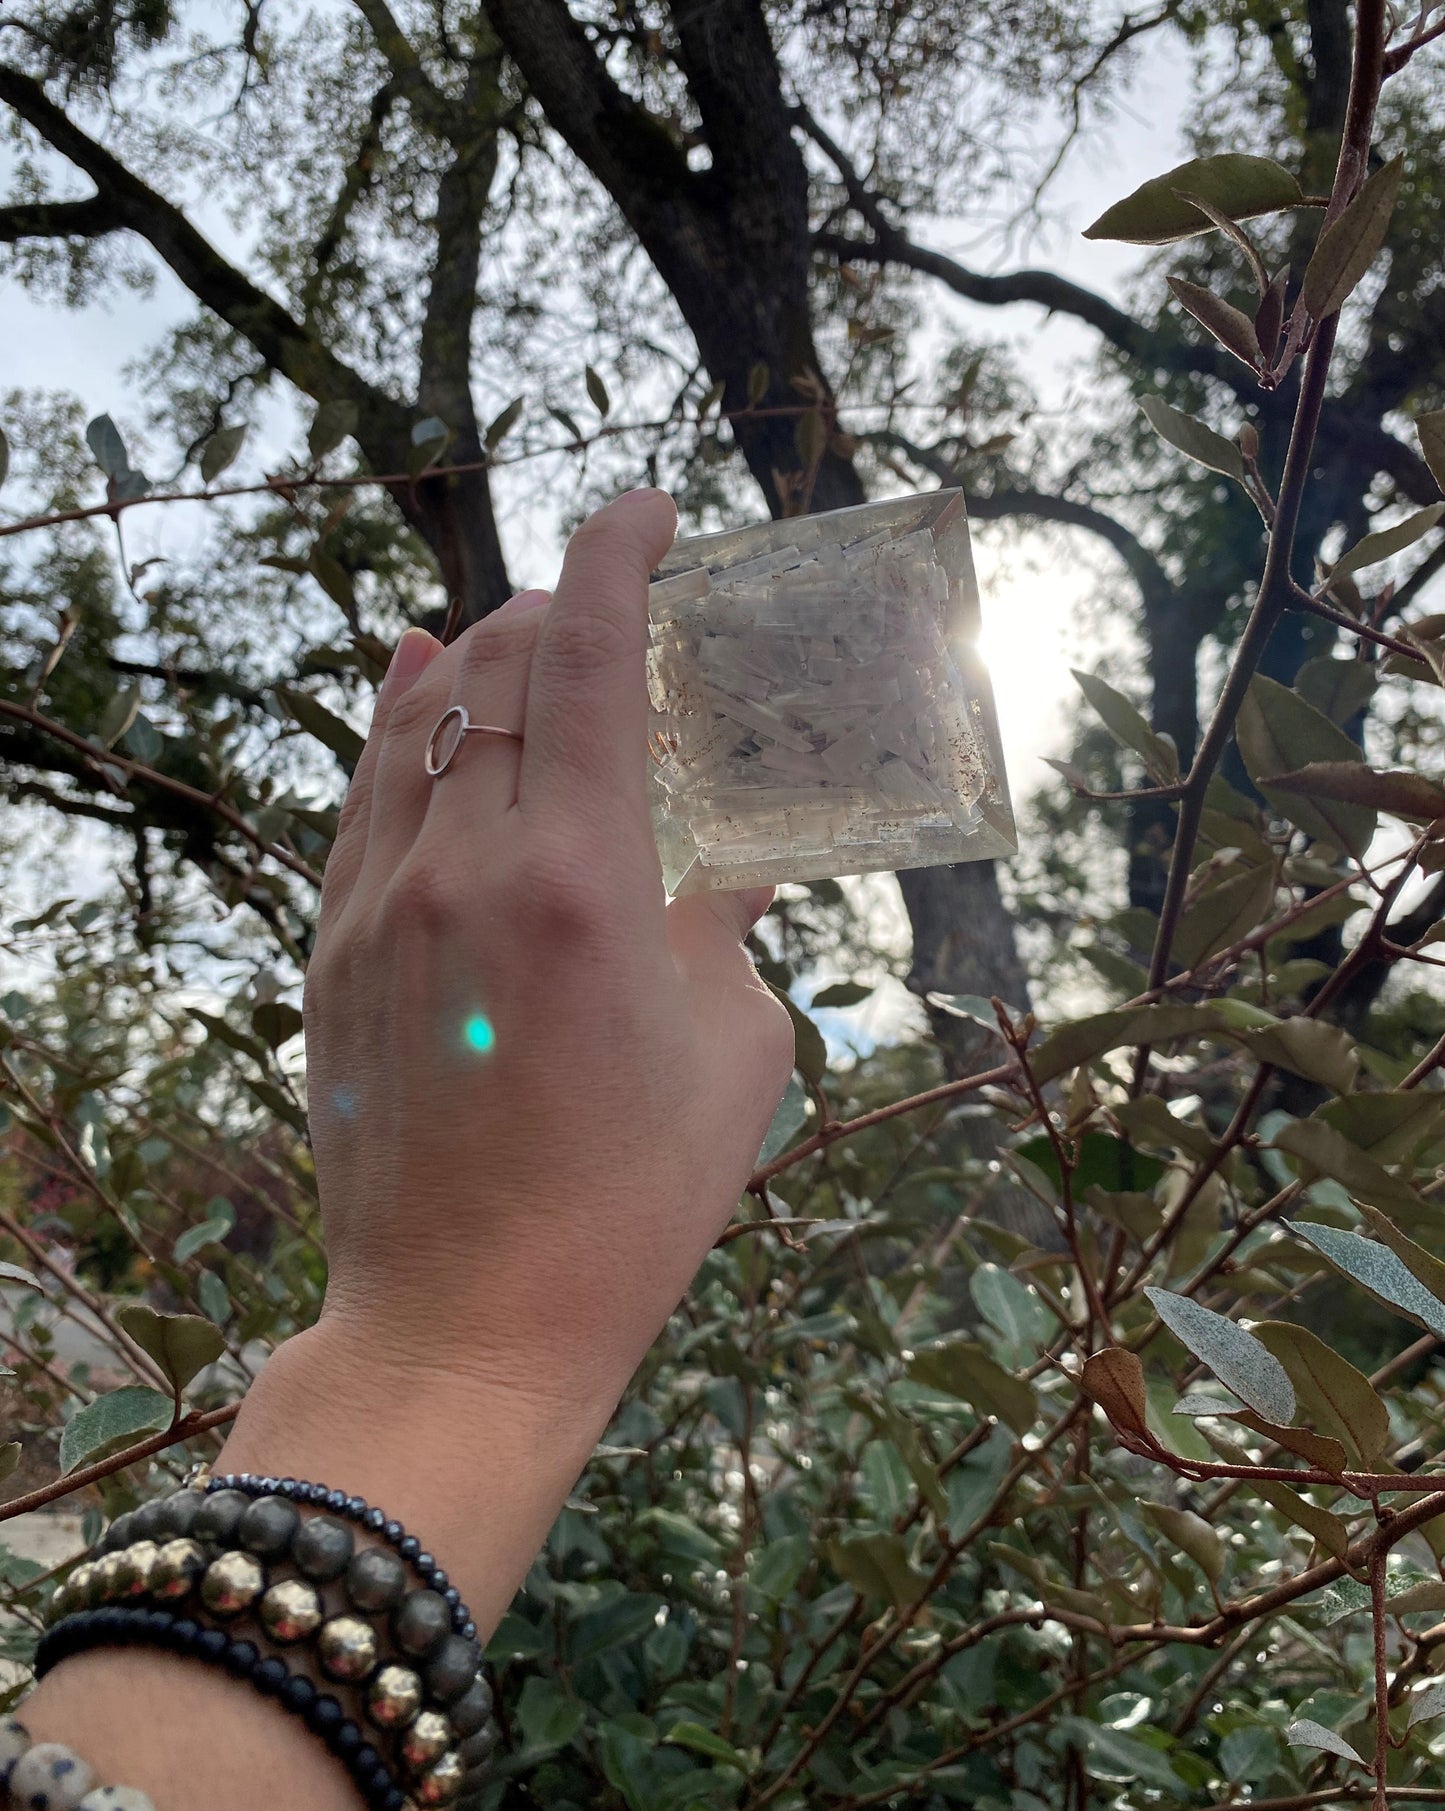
(1225, 913)
(711, 398)
(1424, 1267)
(1116, 1756)
(1279, 733)
(1193, 437)
(501, 425)
(1239, 186)
(1236, 1358)
(1372, 548)
(15, 1273)
(330, 425)
(319, 722)
(1347, 249)
(102, 436)
(219, 452)
(842, 993)
(1129, 728)
(1100, 1161)
(1318, 1523)
(1012, 1307)
(1333, 1397)
(1305, 1734)
(215, 1297)
(118, 715)
(568, 423)
(210, 1231)
(548, 1716)
(621, 1621)
(181, 1344)
(811, 1053)
(758, 380)
(1339, 688)
(333, 579)
(1229, 325)
(597, 393)
(1322, 1151)
(1191, 1534)
(1430, 428)
(112, 1420)
(143, 740)
(810, 437)
(962, 1368)
(429, 440)
(1377, 1269)
(1406, 795)
(1083, 1039)
(1427, 1703)
(773, 1570)
(276, 1022)
(877, 1565)
(1391, 1126)
(1308, 1047)
(10, 1453)
(705, 1741)
(788, 1121)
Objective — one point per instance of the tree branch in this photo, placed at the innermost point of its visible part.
(88, 219)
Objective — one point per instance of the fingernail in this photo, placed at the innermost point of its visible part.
(413, 652)
(524, 600)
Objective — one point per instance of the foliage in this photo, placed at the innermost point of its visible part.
(906, 1506)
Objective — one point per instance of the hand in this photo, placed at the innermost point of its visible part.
(536, 1089)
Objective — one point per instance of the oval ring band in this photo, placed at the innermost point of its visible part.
(453, 727)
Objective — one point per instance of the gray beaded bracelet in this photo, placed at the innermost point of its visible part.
(44, 1776)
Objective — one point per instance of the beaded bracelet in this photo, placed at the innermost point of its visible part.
(47, 1776)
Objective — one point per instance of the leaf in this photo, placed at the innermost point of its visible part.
(1128, 727)
(1390, 1126)
(1193, 437)
(210, 1231)
(1332, 1395)
(1372, 548)
(1308, 1047)
(1114, 1379)
(1237, 1359)
(181, 1344)
(810, 1052)
(1224, 913)
(877, 1565)
(429, 440)
(1428, 1703)
(15, 1273)
(111, 1420)
(330, 425)
(1339, 688)
(1320, 1450)
(842, 993)
(1377, 1269)
(567, 422)
(1407, 795)
(1420, 1263)
(333, 579)
(102, 436)
(758, 379)
(1347, 249)
(810, 437)
(1238, 186)
(597, 393)
(1269, 316)
(1191, 1534)
(10, 1453)
(215, 1298)
(4, 456)
(1083, 1039)
(1327, 1529)
(788, 1121)
(276, 1022)
(1230, 326)
(1305, 1734)
(118, 715)
(962, 1368)
(319, 722)
(548, 1716)
(1100, 1161)
(1279, 733)
(705, 1741)
(501, 425)
(129, 486)
(774, 1569)
(619, 1622)
(1430, 428)
(1322, 1151)
(219, 452)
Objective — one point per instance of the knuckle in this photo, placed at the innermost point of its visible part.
(419, 900)
(584, 642)
(556, 887)
(497, 639)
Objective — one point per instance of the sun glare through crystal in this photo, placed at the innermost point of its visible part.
(480, 1035)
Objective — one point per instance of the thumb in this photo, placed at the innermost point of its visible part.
(705, 933)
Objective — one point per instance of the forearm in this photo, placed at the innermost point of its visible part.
(478, 1472)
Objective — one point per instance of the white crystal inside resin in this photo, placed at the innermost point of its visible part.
(818, 703)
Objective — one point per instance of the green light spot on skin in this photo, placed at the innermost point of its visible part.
(479, 1034)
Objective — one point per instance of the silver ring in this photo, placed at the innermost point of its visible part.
(453, 727)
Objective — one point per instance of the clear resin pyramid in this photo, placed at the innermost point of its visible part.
(818, 704)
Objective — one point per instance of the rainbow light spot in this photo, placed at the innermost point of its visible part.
(479, 1034)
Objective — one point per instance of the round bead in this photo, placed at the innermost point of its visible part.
(452, 1668)
(121, 1531)
(347, 1647)
(425, 1565)
(219, 1517)
(186, 1633)
(241, 1656)
(322, 1548)
(232, 1583)
(178, 1565)
(291, 1611)
(14, 1740)
(375, 1580)
(133, 1570)
(324, 1715)
(49, 1777)
(375, 1520)
(394, 1800)
(427, 1740)
(287, 1487)
(213, 1647)
(420, 1624)
(270, 1676)
(356, 1508)
(409, 1547)
(441, 1783)
(108, 1573)
(150, 1521)
(346, 1740)
(181, 1513)
(336, 1501)
(394, 1697)
(392, 1532)
(472, 1709)
(267, 1526)
(116, 1798)
(479, 1747)
(298, 1694)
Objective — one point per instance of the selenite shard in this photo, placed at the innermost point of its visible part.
(818, 704)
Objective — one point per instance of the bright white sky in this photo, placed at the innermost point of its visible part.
(1030, 610)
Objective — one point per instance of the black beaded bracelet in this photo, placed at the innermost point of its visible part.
(271, 1676)
(358, 1510)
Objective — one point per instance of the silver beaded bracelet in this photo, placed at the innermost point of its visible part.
(47, 1776)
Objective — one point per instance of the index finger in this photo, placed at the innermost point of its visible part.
(584, 754)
